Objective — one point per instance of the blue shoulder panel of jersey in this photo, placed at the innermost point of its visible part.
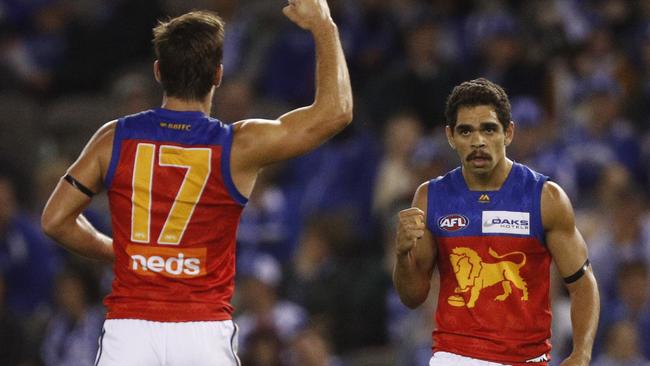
(115, 154)
(536, 182)
(454, 210)
(439, 190)
(186, 128)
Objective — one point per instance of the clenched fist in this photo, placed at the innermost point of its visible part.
(410, 228)
(308, 14)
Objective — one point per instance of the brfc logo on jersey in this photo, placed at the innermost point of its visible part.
(453, 222)
(506, 222)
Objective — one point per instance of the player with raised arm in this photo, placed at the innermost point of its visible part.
(492, 227)
(177, 181)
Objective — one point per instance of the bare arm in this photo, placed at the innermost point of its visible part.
(260, 142)
(569, 253)
(416, 252)
(62, 219)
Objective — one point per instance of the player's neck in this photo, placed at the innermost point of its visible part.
(182, 105)
(488, 181)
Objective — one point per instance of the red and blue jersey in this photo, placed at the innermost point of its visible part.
(175, 212)
(494, 268)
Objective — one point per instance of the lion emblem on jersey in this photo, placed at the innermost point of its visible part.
(473, 275)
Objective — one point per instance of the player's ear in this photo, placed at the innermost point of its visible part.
(156, 70)
(450, 136)
(510, 133)
(218, 76)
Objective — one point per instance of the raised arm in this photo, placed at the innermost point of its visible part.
(261, 142)
(569, 253)
(416, 252)
(62, 219)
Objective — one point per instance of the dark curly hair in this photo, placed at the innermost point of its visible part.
(475, 93)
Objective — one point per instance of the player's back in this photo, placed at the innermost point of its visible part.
(175, 212)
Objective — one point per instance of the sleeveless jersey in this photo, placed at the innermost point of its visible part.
(494, 268)
(175, 212)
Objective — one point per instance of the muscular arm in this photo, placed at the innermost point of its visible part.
(260, 142)
(416, 252)
(569, 253)
(62, 219)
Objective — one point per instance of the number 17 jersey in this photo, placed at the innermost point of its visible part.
(175, 212)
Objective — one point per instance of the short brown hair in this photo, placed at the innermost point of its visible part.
(478, 92)
(189, 49)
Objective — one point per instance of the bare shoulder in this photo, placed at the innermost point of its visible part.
(102, 142)
(96, 156)
(556, 207)
(421, 196)
(108, 127)
(251, 124)
(106, 133)
(247, 132)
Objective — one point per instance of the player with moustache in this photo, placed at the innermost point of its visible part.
(492, 227)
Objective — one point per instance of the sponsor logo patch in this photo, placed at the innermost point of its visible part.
(168, 262)
(506, 222)
(453, 222)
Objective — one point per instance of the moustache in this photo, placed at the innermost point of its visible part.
(479, 155)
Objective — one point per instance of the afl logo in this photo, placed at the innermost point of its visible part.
(453, 222)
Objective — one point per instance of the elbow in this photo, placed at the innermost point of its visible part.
(337, 117)
(50, 224)
(346, 117)
(346, 113)
(343, 118)
(410, 296)
(340, 122)
(412, 302)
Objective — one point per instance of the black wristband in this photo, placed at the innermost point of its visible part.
(579, 273)
(75, 183)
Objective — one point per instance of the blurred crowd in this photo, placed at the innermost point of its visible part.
(315, 246)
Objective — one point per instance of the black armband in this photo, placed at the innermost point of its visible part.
(75, 183)
(579, 273)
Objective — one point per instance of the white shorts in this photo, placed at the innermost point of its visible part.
(452, 359)
(132, 342)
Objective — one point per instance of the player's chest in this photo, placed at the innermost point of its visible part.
(484, 215)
